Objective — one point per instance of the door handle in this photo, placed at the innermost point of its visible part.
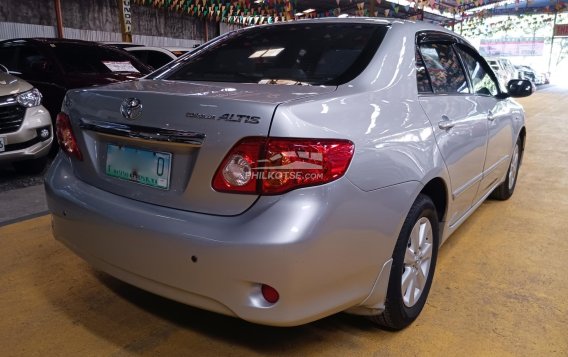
(490, 116)
(446, 123)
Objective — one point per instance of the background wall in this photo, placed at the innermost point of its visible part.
(98, 20)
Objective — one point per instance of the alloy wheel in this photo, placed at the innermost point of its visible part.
(417, 260)
(514, 166)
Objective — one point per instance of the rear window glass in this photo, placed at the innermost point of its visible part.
(76, 58)
(327, 54)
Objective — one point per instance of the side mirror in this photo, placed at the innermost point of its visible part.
(518, 88)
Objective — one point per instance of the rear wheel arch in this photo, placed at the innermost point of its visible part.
(437, 190)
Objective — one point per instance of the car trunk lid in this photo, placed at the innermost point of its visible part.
(187, 128)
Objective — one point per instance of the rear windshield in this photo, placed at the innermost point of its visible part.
(322, 54)
(77, 58)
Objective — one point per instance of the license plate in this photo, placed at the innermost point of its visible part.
(145, 167)
(2, 143)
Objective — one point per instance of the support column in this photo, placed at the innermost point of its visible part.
(372, 8)
(205, 30)
(125, 15)
(59, 18)
(552, 39)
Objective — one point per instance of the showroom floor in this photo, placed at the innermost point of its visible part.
(500, 287)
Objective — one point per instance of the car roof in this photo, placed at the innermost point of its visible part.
(50, 40)
(153, 49)
(53, 40)
(408, 27)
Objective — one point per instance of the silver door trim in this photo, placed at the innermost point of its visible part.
(467, 185)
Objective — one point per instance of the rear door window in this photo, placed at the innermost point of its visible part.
(329, 54)
(444, 69)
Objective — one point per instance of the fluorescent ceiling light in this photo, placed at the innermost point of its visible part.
(271, 52)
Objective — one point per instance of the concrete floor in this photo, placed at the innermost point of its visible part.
(500, 289)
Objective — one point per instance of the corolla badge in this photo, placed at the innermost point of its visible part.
(131, 108)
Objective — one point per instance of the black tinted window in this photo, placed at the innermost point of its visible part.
(422, 80)
(23, 58)
(158, 59)
(78, 58)
(444, 68)
(8, 56)
(306, 53)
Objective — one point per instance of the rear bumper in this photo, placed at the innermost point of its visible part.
(322, 248)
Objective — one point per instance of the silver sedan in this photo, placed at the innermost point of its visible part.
(287, 172)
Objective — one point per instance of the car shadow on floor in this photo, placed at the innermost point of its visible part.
(233, 331)
(10, 179)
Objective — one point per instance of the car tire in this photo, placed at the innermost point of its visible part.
(505, 190)
(414, 262)
(30, 167)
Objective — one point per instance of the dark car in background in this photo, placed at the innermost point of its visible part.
(154, 57)
(54, 66)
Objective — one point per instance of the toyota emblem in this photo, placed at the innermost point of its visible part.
(131, 108)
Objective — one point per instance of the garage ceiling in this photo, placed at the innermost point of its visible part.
(438, 11)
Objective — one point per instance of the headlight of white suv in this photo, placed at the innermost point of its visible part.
(31, 98)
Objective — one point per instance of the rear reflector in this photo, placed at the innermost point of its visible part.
(269, 293)
(65, 136)
(276, 165)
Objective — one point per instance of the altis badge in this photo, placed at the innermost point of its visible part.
(239, 118)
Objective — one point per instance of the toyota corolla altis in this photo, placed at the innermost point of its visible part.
(286, 172)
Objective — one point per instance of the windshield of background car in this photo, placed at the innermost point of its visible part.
(317, 54)
(78, 58)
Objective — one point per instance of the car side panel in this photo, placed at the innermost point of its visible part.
(499, 143)
(463, 146)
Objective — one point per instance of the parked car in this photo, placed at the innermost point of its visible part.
(54, 66)
(538, 78)
(287, 172)
(26, 132)
(504, 69)
(156, 57)
(525, 72)
(121, 45)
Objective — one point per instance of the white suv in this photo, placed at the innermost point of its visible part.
(26, 132)
(504, 69)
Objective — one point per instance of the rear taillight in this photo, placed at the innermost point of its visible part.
(65, 136)
(277, 165)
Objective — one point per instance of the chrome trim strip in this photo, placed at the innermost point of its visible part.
(143, 132)
(467, 185)
(468, 213)
(8, 100)
(477, 178)
(495, 165)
